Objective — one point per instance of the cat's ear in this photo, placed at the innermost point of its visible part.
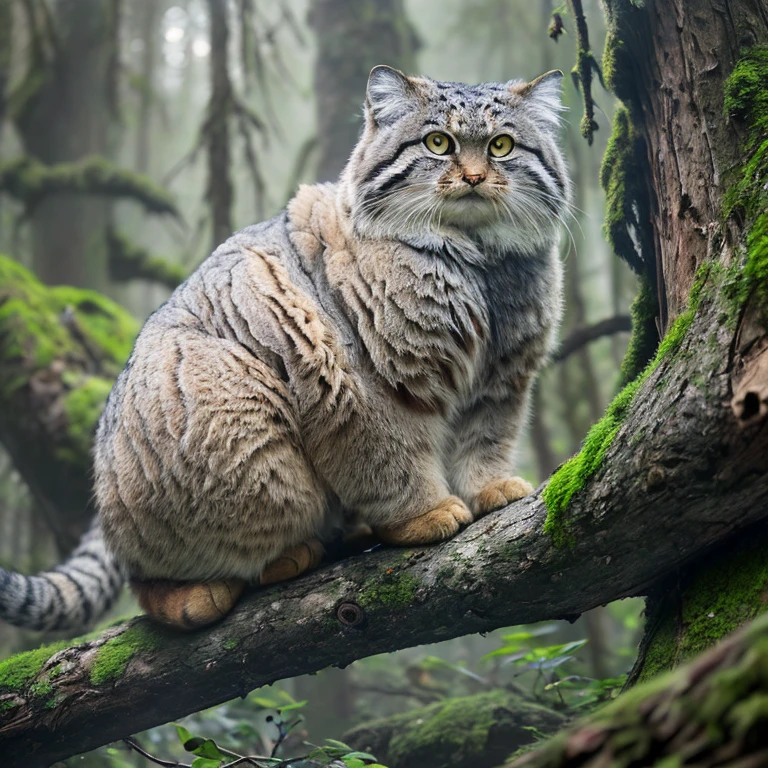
(390, 94)
(546, 91)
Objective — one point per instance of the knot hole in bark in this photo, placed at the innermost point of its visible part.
(350, 614)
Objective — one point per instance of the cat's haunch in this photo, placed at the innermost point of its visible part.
(367, 353)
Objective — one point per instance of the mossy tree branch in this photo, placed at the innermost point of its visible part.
(677, 459)
(128, 261)
(30, 181)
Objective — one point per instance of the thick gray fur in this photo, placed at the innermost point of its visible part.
(367, 353)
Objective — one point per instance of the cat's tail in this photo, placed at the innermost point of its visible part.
(70, 597)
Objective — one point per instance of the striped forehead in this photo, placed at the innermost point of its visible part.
(469, 110)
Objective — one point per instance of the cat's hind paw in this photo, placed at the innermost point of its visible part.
(188, 605)
(499, 493)
(293, 562)
(438, 524)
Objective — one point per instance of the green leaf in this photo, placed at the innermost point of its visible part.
(265, 703)
(184, 734)
(338, 745)
(205, 762)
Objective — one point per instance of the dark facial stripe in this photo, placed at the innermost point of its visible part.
(547, 167)
(394, 180)
(535, 178)
(384, 164)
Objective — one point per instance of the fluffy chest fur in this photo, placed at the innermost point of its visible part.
(437, 323)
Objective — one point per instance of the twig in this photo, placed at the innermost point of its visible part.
(583, 336)
(133, 744)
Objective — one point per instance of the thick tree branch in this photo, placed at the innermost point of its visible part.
(678, 462)
(583, 336)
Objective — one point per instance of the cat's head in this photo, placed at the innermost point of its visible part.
(436, 157)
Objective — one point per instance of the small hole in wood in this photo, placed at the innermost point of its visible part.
(350, 614)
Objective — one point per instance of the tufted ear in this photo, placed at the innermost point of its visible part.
(389, 95)
(546, 91)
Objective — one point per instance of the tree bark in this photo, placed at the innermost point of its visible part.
(353, 36)
(216, 129)
(669, 61)
(65, 117)
(503, 570)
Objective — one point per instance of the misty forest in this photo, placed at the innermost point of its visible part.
(610, 618)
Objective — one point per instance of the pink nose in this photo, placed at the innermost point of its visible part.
(473, 179)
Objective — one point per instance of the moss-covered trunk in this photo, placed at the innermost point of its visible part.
(60, 349)
(352, 37)
(693, 75)
(63, 111)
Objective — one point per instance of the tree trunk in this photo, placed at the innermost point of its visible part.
(66, 116)
(669, 62)
(353, 36)
(216, 129)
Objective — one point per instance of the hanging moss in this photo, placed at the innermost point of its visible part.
(645, 335)
(627, 213)
(128, 261)
(623, 20)
(30, 180)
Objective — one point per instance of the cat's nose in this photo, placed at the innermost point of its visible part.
(473, 179)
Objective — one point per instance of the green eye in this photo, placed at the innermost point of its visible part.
(501, 146)
(439, 143)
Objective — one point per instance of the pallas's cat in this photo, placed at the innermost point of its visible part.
(366, 352)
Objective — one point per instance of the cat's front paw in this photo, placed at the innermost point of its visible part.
(438, 524)
(499, 493)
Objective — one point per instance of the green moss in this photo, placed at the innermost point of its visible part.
(394, 591)
(41, 688)
(746, 100)
(458, 730)
(83, 406)
(39, 324)
(112, 658)
(627, 216)
(30, 180)
(645, 336)
(618, 63)
(573, 475)
(19, 670)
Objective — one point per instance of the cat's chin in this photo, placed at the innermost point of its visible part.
(470, 211)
